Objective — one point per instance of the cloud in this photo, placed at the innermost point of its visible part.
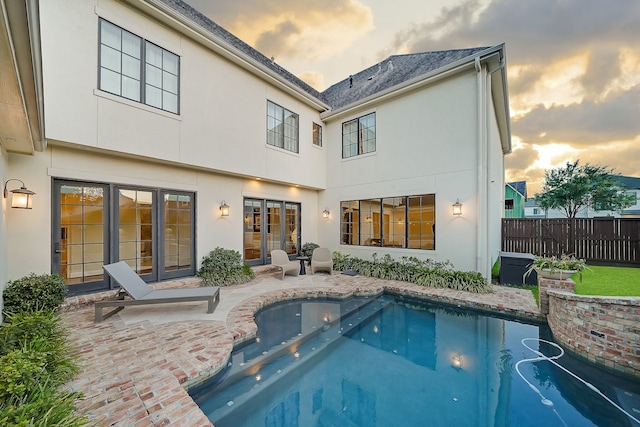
(289, 29)
(614, 118)
(573, 69)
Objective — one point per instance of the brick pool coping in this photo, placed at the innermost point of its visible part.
(138, 374)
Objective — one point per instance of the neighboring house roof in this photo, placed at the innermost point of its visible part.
(531, 203)
(520, 187)
(628, 182)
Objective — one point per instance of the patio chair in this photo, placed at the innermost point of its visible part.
(279, 258)
(321, 260)
(140, 293)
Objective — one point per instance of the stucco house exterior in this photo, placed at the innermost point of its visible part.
(136, 121)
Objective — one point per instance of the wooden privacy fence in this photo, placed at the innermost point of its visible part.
(604, 241)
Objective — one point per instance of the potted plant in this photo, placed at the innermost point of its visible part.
(554, 267)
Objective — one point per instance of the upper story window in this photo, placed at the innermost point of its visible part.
(282, 127)
(136, 69)
(317, 135)
(359, 136)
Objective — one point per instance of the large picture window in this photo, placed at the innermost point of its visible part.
(282, 127)
(136, 69)
(359, 136)
(398, 222)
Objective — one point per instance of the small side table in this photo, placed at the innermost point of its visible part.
(303, 259)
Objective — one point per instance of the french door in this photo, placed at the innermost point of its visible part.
(269, 225)
(95, 224)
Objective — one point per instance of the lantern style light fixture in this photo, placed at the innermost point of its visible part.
(457, 208)
(21, 198)
(224, 209)
(456, 361)
(326, 213)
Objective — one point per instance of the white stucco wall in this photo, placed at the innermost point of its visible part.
(222, 120)
(426, 142)
(30, 233)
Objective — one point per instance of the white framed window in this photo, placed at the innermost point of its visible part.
(282, 127)
(137, 69)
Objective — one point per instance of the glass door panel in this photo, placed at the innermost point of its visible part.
(274, 232)
(292, 237)
(178, 232)
(135, 230)
(252, 228)
(80, 246)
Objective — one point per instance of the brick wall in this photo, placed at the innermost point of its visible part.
(604, 330)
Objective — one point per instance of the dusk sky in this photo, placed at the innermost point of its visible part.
(573, 65)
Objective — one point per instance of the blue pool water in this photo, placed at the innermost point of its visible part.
(387, 361)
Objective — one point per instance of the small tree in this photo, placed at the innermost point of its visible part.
(576, 186)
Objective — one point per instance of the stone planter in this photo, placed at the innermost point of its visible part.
(555, 274)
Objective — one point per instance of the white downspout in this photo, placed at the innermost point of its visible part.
(480, 197)
(490, 73)
(482, 228)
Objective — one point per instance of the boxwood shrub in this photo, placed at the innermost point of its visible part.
(34, 292)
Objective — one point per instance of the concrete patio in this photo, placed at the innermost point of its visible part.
(137, 365)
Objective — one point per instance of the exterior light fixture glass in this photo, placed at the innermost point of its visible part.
(326, 213)
(456, 361)
(457, 208)
(224, 209)
(21, 198)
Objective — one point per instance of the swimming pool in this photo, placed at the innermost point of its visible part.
(389, 361)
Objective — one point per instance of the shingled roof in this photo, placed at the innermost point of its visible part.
(392, 71)
(219, 32)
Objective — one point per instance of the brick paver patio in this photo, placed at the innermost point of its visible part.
(137, 365)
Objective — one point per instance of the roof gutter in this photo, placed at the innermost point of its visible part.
(33, 20)
(173, 18)
(453, 68)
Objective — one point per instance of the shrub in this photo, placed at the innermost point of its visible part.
(35, 360)
(307, 249)
(34, 292)
(224, 267)
(413, 270)
(40, 332)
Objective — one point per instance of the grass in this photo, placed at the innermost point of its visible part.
(608, 281)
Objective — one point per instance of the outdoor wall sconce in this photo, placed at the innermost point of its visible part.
(457, 208)
(326, 213)
(456, 361)
(224, 209)
(21, 197)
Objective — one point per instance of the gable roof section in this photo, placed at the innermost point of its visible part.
(519, 186)
(391, 72)
(628, 182)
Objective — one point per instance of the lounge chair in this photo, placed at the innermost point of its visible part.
(140, 294)
(279, 258)
(321, 260)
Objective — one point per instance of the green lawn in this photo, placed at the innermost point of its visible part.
(609, 281)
